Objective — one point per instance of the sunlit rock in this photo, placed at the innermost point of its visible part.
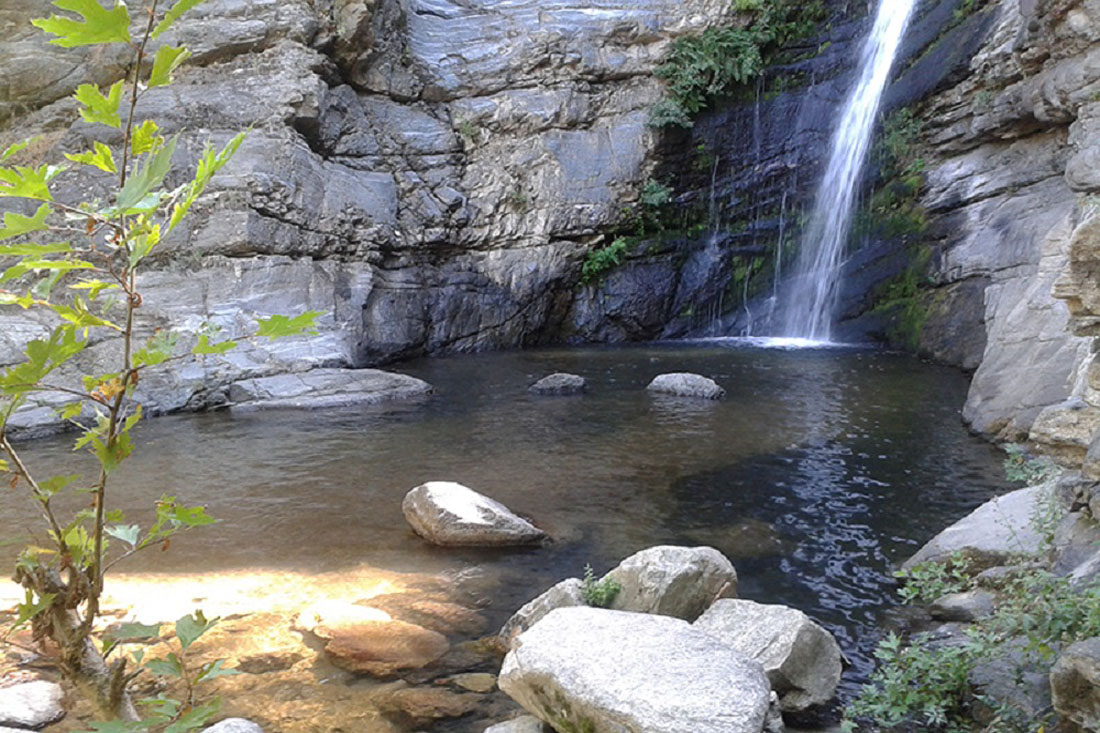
(522, 724)
(234, 725)
(567, 593)
(802, 660)
(969, 606)
(31, 704)
(559, 383)
(603, 671)
(673, 581)
(450, 514)
(419, 706)
(683, 384)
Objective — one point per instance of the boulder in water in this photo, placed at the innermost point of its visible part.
(602, 671)
(559, 383)
(802, 660)
(684, 384)
(567, 593)
(450, 514)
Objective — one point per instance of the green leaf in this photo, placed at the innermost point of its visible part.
(192, 516)
(134, 630)
(189, 628)
(55, 484)
(147, 177)
(101, 158)
(28, 183)
(213, 670)
(146, 138)
(42, 358)
(72, 410)
(142, 244)
(157, 350)
(17, 148)
(281, 326)
(181, 7)
(94, 287)
(195, 718)
(128, 533)
(17, 224)
(169, 666)
(167, 60)
(79, 315)
(111, 454)
(4, 467)
(30, 607)
(98, 108)
(209, 164)
(34, 250)
(97, 25)
(205, 347)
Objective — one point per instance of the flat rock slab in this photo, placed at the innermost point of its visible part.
(324, 388)
(996, 530)
(33, 704)
(449, 514)
(559, 383)
(685, 384)
(602, 671)
(802, 660)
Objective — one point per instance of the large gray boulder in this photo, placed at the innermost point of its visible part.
(684, 384)
(602, 671)
(450, 514)
(33, 704)
(1075, 684)
(522, 724)
(567, 593)
(994, 531)
(673, 581)
(802, 660)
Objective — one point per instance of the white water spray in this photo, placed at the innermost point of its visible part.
(814, 288)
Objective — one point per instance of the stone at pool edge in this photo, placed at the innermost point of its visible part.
(1075, 684)
(234, 725)
(685, 384)
(31, 705)
(559, 383)
(449, 514)
(522, 724)
(593, 669)
(324, 388)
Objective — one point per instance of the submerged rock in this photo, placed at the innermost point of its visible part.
(33, 704)
(991, 533)
(383, 648)
(683, 384)
(802, 660)
(603, 671)
(673, 581)
(559, 383)
(323, 388)
(419, 706)
(1075, 684)
(450, 514)
(567, 593)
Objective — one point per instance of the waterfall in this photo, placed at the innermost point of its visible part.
(815, 285)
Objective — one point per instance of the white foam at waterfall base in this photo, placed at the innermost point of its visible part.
(812, 292)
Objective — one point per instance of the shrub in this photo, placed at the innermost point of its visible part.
(599, 261)
(69, 254)
(599, 593)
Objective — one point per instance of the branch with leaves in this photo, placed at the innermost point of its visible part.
(63, 258)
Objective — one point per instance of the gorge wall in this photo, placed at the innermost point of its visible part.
(431, 174)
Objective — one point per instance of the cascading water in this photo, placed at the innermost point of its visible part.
(812, 292)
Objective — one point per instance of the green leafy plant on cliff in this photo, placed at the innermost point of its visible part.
(1020, 467)
(78, 263)
(927, 581)
(701, 67)
(599, 261)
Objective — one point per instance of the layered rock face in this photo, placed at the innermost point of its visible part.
(1014, 155)
(427, 173)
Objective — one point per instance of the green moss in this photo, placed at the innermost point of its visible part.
(904, 301)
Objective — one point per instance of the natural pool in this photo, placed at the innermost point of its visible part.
(819, 470)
